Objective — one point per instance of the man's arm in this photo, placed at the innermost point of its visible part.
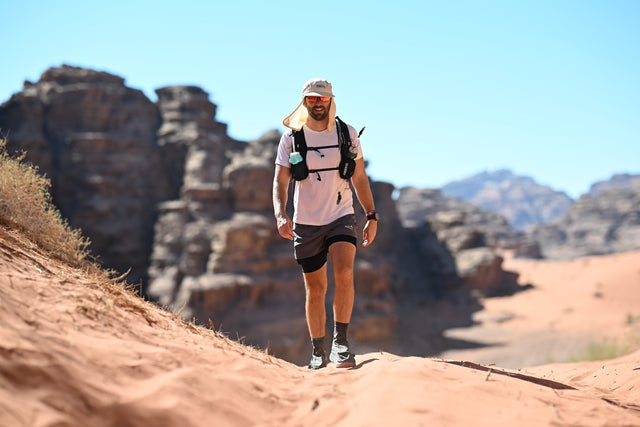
(360, 183)
(280, 188)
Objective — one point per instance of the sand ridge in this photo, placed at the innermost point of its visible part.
(77, 351)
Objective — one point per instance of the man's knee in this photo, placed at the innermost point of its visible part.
(316, 292)
(315, 284)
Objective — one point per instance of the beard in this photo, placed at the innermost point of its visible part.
(319, 113)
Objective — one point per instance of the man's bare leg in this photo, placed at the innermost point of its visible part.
(316, 289)
(342, 258)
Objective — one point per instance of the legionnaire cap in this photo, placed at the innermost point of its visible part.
(314, 87)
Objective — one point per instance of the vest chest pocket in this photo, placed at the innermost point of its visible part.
(347, 167)
(299, 169)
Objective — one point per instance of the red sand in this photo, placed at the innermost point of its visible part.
(574, 305)
(77, 352)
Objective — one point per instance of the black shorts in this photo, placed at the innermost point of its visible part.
(311, 242)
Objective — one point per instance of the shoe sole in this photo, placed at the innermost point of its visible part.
(315, 369)
(345, 365)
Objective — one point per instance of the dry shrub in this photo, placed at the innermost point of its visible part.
(26, 206)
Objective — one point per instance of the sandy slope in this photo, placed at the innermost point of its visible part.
(75, 351)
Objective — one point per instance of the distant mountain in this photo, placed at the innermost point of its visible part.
(520, 199)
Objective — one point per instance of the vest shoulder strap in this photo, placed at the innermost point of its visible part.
(344, 138)
(299, 142)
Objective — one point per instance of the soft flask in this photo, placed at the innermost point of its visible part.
(299, 169)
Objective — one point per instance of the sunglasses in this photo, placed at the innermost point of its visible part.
(318, 98)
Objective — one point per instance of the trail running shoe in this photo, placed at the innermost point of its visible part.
(318, 359)
(341, 356)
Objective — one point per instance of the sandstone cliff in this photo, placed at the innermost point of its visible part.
(95, 138)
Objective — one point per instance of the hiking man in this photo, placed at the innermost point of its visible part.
(323, 156)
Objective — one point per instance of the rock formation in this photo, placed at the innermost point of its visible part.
(606, 223)
(95, 139)
(473, 238)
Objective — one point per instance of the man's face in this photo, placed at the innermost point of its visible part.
(318, 106)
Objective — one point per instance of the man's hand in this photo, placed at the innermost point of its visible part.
(369, 232)
(285, 227)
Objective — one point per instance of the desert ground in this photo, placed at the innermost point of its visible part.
(572, 310)
(81, 350)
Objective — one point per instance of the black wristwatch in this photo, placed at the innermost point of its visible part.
(372, 216)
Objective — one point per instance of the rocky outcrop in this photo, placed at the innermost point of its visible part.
(606, 223)
(521, 200)
(217, 256)
(462, 224)
(95, 139)
(473, 238)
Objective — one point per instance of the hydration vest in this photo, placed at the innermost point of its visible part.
(347, 165)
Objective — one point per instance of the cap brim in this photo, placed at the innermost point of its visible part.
(314, 93)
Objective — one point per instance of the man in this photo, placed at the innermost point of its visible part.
(323, 219)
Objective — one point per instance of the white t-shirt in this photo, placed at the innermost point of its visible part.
(319, 202)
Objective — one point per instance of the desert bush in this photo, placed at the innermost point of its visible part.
(608, 348)
(26, 206)
(601, 351)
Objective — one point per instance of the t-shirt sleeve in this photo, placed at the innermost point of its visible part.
(355, 141)
(284, 149)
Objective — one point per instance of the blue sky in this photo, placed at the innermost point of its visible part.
(447, 89)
